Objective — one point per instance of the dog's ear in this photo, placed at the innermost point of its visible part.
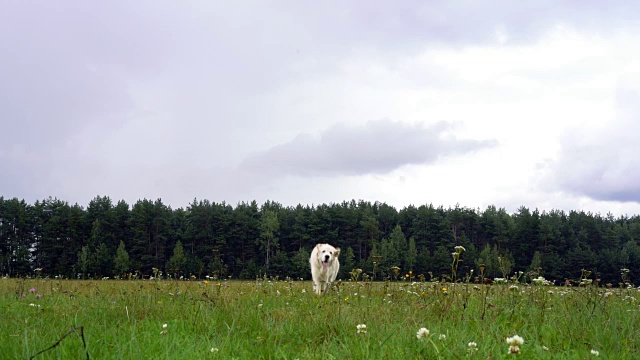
(337, 252)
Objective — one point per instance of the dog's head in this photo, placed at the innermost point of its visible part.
(327, 254)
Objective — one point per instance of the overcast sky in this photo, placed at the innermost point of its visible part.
(511, 103)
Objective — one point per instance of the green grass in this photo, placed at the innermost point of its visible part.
(285, 320)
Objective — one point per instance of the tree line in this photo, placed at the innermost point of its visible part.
(53, 238)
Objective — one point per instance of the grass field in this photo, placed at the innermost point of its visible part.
(285, 320)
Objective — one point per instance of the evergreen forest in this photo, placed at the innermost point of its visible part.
(105, 239)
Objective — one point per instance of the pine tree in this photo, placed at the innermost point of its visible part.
(85, 261)
(121, 261)
(411, 255)
(178, 261)
(103, 260)
(347, 263)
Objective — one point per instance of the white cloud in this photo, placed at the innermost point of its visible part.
(182, 101)
(601, 162)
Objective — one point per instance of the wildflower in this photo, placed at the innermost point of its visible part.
(304, 291)
(423, 333)
(38, 296)
(515, 341)
(545, 348)
(214, 350)
(362, 328)
(32, 290)
(459, 249)
(206, 282)
(540, 280)
(513, 287)
(164, 329)
(595, 352)
(472, 344)
(442, 337)
(585, 282)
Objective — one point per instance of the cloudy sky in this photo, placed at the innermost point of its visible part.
(533, 103)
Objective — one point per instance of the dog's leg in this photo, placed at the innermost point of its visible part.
(327, 286)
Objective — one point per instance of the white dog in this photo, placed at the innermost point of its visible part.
(324, 267)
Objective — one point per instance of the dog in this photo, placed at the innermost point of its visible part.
(324, 267)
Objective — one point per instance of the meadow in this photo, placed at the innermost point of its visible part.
(283, 319)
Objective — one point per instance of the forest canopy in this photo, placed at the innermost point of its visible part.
(107, 239)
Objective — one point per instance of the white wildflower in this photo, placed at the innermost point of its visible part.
(362, 328)
(423, 333)
(595, 352)
(515, 340)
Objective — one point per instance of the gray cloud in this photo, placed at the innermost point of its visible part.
(64, 68)
(378, 147)
(92, 87)
(603, 164)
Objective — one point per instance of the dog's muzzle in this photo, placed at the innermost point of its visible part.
(325, 263)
